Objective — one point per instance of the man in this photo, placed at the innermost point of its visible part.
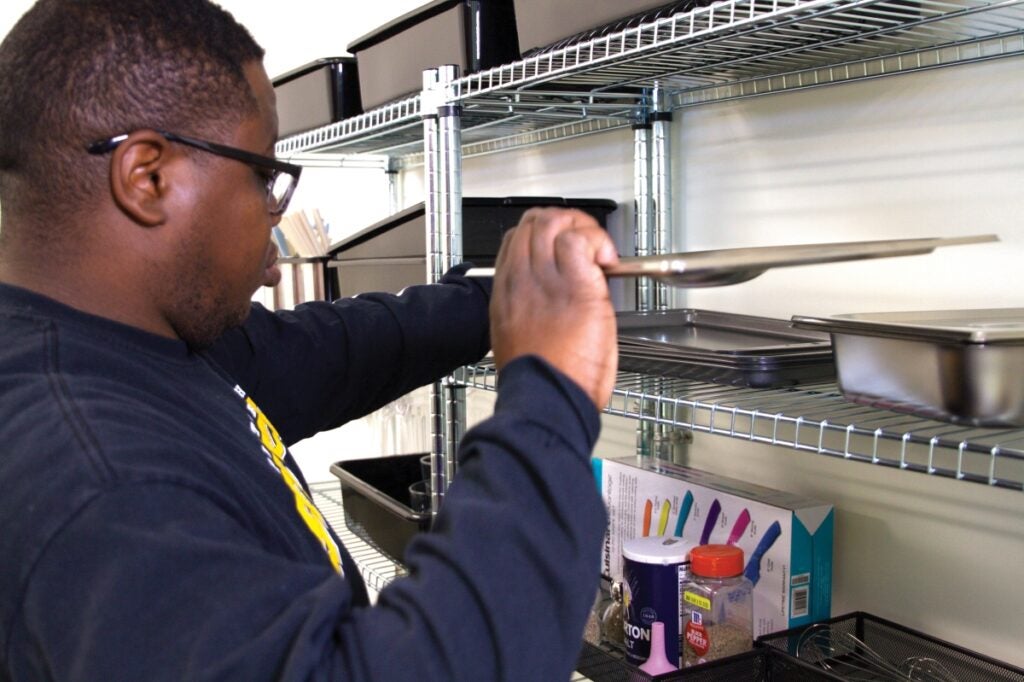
(152, 523)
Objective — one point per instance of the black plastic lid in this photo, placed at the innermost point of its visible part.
(559, 201)
(312, 66)
(419, 209)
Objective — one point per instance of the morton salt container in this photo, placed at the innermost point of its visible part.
(653, 570)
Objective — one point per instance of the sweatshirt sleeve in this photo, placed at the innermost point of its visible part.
(499, 591)
(322, 364)
(502, 588)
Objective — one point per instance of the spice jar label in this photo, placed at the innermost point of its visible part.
(697, 600)
(697, 638)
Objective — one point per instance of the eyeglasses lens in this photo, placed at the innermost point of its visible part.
(280, 191)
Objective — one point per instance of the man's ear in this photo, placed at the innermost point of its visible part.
(140, 177)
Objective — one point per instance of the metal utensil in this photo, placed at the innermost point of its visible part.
(849, 657)
(731, 266)
(927, 669)
(845, 655)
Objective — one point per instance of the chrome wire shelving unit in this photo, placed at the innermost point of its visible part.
(813, 418)
(727, 50)
(386, 131)
(729, 44)
(377, 569)
(635, 78)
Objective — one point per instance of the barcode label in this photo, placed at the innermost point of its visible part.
(800, 601)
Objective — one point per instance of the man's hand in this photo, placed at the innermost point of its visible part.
(551, 298)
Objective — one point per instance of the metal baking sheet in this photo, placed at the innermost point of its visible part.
(722, 348)
(957, 366)
(695, 269)
(732, 266)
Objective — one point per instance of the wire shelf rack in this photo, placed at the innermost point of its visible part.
(377, 570)
(813, 418)
(728, 49)
(386, 130)
(740, 40)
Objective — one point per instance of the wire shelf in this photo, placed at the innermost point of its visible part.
(386, 130)
(814, 418)
(377, 570)
(726, 50)
(739, 40)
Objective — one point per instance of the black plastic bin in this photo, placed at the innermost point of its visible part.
(375, 494)
(472, 35)
(895, 643)
(389, 255)
(317, 94)
(540, 23)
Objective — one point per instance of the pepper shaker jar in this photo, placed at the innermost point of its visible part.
(717, 605)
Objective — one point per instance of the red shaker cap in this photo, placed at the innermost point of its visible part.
(716, 561)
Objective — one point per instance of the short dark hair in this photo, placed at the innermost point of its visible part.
(74, 71)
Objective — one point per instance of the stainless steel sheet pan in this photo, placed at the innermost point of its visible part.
(722, 348)
(695, 269)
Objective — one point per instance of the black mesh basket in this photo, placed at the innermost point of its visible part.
(831, 644)
(756, 665)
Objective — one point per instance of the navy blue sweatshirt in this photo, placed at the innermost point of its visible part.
(154, 527)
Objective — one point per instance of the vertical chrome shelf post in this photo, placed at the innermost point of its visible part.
(661, 180)
(442, 154)
(391, 175)
(643, 237)
(643, 219)
(665, 445)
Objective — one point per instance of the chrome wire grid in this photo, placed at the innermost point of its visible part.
(737, 40)
(377, 570)
(382, 130)
(729, 49)
(814, 418)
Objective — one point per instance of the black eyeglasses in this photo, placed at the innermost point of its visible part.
(281, 179)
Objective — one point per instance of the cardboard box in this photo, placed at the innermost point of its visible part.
(786, 539)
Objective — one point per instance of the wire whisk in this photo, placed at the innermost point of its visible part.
(846, 656)
(927, 669)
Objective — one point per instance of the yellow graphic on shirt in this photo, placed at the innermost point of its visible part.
(275, 450)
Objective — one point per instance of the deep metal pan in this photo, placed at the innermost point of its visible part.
(962, 366)
(989, 325)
